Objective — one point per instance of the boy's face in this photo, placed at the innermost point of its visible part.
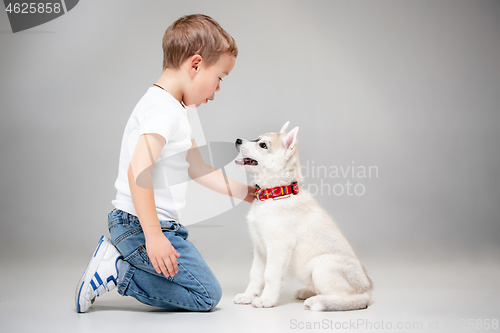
(206, 81)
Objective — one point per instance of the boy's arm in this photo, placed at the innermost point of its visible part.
(160, 251)
(207, 176)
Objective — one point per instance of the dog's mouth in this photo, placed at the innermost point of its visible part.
(246, 161)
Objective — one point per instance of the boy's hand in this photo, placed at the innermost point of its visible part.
(162, 254)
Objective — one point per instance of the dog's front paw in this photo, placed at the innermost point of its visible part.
(243, 298)
(261, 302)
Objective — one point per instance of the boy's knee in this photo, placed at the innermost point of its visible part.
(217, 294)
(214, 296)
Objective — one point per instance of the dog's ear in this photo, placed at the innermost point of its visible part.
(290, 141)
(284, 128)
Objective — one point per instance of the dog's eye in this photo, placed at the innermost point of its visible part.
(263, 145)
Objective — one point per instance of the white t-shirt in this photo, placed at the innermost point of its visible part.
(158, 112)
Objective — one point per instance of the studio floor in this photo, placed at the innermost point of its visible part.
(410, 295)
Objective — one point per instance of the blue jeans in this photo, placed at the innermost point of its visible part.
(193, 288)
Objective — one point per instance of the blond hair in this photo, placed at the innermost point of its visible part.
(196, 34)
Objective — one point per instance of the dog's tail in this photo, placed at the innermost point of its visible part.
(339, 302)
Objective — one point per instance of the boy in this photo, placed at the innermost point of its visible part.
(149, 256)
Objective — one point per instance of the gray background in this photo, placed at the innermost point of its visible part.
(412, 87)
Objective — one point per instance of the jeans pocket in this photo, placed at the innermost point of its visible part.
(114, 217)
(139, 257)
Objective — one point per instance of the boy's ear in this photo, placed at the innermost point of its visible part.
(284, 128)
(194, 63)
(290, 142)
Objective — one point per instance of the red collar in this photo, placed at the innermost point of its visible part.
(281, 191)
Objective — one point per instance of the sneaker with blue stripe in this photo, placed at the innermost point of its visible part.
(100, 276)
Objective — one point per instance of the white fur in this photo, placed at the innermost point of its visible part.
(295, 236)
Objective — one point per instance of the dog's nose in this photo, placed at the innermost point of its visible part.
(237, 144)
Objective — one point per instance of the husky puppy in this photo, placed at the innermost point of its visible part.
(293, 235)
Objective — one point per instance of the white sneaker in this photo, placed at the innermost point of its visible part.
(100, 276)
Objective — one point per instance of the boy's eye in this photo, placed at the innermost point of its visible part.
(220, 79)
(263, 145)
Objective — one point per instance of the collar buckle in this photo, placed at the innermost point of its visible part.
(258, 190)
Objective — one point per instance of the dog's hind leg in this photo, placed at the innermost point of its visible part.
(256, 283)
(304, 293)
(341, 284)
